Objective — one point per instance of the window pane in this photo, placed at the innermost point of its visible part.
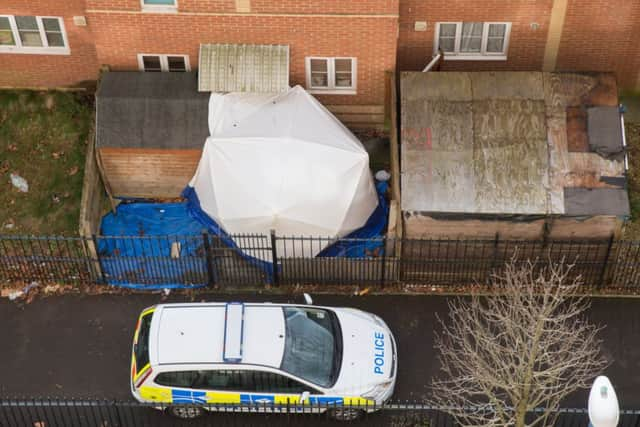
(27, 23)
(28, 30)
(4, 23)
(55, 39)
(448, 30)
(151, 63)
(51, 24)
(319, 79)
(343, 80)
(471, 29)
(343, 65)
(29, 38)
(495, 45)
(448, 44)
(318, 65)
(6, 36)
(471, 37)
(176, 63)
(177, 379)
(497, 30)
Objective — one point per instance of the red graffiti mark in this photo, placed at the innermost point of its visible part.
(428, 139)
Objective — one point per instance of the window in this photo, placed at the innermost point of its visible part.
(159, 5)
(331, 75)
(232, 380)
(141, 347)
(157, 63)
(313, 345)
(473, 40)
(33, 34)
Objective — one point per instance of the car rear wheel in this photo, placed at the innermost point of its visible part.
(185, 412)
(345, 414)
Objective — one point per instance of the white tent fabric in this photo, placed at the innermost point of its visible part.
(284, 163)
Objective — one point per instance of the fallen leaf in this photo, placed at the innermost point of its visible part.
(73, 171)
(12, 147)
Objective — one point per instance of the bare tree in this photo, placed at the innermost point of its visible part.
(526, 347)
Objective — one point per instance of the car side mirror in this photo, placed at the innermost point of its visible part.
(307, 298)
(304, 397)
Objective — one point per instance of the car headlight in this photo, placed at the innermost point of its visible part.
(377, 392)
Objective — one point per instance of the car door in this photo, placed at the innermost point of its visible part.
(261, 391)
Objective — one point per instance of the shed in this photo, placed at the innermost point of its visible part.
(150, 131)
(522, 154)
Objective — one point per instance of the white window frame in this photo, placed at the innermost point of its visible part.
(45, 49)
(159, 8)
(331, 88)
(164, 61)
(483, 55)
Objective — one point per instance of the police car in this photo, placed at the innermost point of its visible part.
(216, 355)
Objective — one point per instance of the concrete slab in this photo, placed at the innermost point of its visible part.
(452, 86)
(508, 85)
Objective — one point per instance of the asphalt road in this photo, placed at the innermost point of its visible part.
(75, 346)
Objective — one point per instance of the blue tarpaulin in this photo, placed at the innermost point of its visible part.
(146, 262)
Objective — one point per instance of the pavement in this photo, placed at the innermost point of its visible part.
(79, 346)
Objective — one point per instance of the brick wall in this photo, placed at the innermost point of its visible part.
(38, 70)
(119, 37)
(602, 36)
(264, 6)
(526, 45)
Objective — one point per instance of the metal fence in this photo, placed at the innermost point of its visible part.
(149, 262)
(110, 413)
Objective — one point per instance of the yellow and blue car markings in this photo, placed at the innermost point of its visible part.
(172, 395)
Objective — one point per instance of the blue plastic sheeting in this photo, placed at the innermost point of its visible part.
(373, 229)
(193, 206)
(141, 263)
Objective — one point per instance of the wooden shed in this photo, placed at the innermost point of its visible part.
(150, 130)
(527, 155)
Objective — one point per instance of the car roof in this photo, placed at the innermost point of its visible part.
(204, 333)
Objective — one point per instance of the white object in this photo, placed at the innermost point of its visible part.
(603, 404)
(80, 21)
(307, 299)
(383, 175)
(284, 163)
(187, 337)
(420, 26)
(19, 182)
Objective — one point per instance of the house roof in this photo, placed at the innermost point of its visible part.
(243, 68)
(511, 143)
(151, 110)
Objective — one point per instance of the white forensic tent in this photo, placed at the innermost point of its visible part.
(285, 163)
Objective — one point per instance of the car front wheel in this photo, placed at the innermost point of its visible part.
(345, 414)
(185, 412)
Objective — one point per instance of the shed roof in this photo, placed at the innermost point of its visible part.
(151, 110)
(506, 143)
(243, 68)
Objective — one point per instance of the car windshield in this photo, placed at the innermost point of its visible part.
(313, 345)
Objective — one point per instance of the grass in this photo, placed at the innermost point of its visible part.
(43, 138)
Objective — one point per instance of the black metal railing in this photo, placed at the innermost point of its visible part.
(113, 413)
(152, 262)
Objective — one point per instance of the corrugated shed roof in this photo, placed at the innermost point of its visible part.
(243, 68)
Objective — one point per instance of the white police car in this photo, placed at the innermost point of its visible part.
(222, 354)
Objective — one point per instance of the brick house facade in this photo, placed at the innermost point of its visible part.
(380, 35)
(562, 35)
(39, 67)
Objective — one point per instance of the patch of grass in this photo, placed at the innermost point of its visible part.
(43, 138)
(632, 229)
